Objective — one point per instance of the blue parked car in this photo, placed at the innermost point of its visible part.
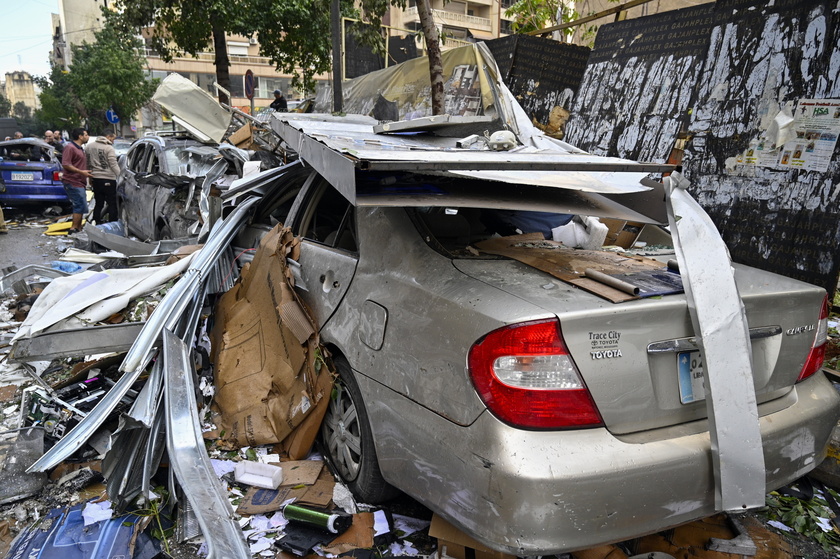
(30, 173)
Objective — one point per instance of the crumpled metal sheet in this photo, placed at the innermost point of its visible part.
(195, 108)
(720, 325)
(188, 457)
(167, 315)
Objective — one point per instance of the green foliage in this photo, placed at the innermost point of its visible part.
(104, 75)
(21, 111)
(109, 74)
(60, 108)
(293, 34)
(5, 106)
(157, 509)
(803, 517)
(532, 15)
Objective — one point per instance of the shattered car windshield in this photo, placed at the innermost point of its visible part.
(194, 161)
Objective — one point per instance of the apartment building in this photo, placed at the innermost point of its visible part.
(459, 21)
(19, 88)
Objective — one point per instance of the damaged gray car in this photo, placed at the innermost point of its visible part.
(159, 187)
(499, 378)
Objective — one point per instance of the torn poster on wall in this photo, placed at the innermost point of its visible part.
(808, 143)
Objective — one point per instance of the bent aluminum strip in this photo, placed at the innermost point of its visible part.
(9, 279)
(166, 314)
(189, 459)
(145, 405)
(138, 355)
(154, 453)
(720, 325)
(89, 340)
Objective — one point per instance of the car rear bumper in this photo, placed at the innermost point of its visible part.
(541, 493)
(33, 193)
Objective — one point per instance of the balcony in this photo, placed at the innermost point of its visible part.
(454, 19)
(210, 57)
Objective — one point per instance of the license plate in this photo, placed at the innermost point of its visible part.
(17, 176)
(692, 376)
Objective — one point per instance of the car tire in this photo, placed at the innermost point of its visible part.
(164, 233)
(123, 213)
(348, 441)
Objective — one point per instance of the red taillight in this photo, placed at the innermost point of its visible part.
(56, 176)
(527, 378)
(817, 354)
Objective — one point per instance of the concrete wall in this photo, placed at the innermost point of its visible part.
(716, 75)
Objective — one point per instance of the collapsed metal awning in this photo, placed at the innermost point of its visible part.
(352, 157)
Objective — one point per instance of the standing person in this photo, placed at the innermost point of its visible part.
(76, 175)
(102, 162)
(279, 103)
(54, 139)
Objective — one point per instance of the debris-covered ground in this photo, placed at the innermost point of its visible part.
(283, 504)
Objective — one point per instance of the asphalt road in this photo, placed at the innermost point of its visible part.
(26, 244)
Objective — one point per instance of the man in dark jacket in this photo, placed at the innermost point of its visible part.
(279, 103)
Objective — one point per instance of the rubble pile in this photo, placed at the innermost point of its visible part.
(121, 413)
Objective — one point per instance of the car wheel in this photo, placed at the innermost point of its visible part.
(348, 440)
(124, 217)
(165, 233)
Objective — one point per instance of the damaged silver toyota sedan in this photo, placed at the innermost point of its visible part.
(486, 371)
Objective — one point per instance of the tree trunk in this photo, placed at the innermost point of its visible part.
(222, 61)
(424, 10)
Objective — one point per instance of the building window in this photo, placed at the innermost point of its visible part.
(238, 49)
(266, 86)
(504, 27)
(456, 33)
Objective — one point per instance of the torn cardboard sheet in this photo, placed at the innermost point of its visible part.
(299, 472)
(262, 501)
(570, 265)
(455, 543)
(267, 371)
(359, 536)
(299, 442)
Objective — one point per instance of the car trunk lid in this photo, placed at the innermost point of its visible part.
(636, 357)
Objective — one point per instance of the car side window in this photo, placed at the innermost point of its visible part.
(329, 219)
(135, 158)
(154, 165)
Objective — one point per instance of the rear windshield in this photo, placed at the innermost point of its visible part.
(454, 231)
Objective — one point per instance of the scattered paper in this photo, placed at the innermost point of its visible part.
(825, 524)
(380, 524)
(408, 525)
(344, 499)
(97, 512)
(268, 458)
(779, 525)
(222, 467)
(262, 544)
(400, 549)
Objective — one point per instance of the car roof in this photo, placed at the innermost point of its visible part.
(28, 142)
(166, 141)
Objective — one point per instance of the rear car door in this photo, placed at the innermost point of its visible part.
(329, 250)
(133, 199)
